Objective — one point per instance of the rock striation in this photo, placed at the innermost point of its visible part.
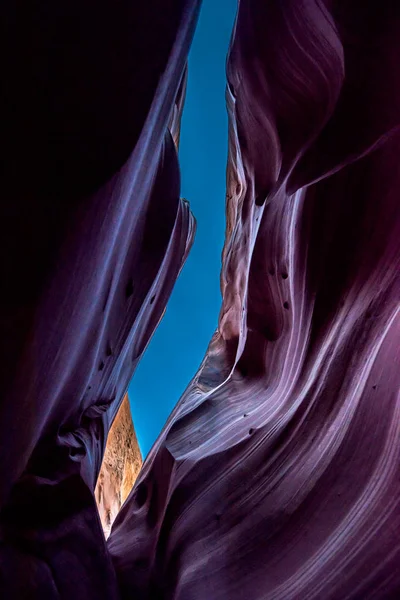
(277, 475)
(93, 237)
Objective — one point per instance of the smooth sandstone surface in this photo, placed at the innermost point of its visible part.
(94, 235)
(277, 475)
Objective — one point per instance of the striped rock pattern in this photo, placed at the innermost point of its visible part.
(277, 475)
(94, 234)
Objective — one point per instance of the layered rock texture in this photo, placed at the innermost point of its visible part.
(94, 235)
(120, 467)
(277, 475)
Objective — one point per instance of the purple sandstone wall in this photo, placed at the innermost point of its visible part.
(277, 475)
(93, 237)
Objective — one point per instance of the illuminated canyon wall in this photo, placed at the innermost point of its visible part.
(277, 475)
(121, 464)
(94, 235)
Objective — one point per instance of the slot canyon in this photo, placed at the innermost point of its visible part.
(277, 474)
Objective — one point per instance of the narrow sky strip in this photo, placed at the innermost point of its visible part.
(178, 345)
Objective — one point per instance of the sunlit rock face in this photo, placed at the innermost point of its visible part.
(94, 235)
(121, 464)
(277, 475)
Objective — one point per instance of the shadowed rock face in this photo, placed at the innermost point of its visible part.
(120, 467)
(90, 187)
(277, 475)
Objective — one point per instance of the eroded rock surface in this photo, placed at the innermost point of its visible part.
(90, 187)
(277, 475)
(120, 467)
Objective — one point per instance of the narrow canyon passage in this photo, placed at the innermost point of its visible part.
(181, 339)
(275, 474)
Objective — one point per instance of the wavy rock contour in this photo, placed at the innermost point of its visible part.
(277, 475)
(94, 235)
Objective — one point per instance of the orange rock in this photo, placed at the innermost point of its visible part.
(122, 462)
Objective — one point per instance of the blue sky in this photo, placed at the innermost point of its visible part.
(179, 343)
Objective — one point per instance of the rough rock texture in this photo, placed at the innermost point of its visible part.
(93, 235)
(277, 475)
(120, 467)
